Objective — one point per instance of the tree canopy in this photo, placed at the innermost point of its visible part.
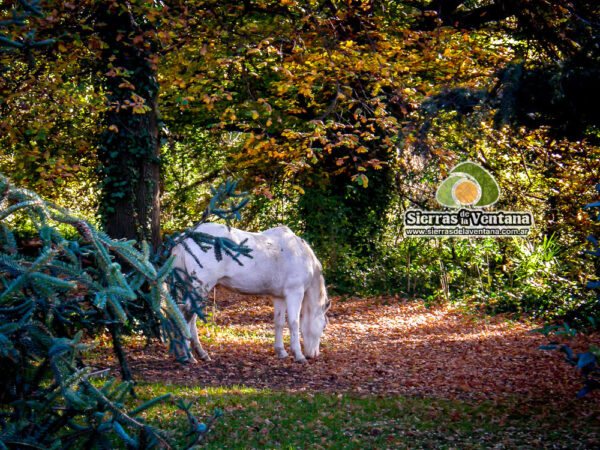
(329, 111)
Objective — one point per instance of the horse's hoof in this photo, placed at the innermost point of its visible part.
(282, 354)
(301, 360)
(202, 355)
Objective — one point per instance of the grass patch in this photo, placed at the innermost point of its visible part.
(213, 333)
(262, 418)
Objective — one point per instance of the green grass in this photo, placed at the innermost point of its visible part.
(265, 419)
(214, 333)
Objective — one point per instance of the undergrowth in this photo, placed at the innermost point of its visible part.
(533, 277)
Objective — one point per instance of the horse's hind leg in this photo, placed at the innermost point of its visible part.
(279, 319)
(293, 301)
(195, 344)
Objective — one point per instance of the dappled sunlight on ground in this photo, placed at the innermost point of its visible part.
(381, 346)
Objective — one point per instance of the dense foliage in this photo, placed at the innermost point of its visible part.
(338, 115)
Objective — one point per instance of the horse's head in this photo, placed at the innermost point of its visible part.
(314, 324)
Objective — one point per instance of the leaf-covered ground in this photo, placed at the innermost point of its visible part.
(381, 346)
(392, 374)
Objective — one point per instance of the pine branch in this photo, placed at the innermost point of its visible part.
(39, 310)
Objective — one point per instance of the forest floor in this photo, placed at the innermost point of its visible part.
(386, 350)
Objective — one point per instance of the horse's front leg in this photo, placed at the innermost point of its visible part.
(279, 319)
(293, 301)
(195, 342)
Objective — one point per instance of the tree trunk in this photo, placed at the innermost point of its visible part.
(129, 146)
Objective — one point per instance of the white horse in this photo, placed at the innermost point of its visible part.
(282, 266)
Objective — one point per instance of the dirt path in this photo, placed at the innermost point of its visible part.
(379, 346)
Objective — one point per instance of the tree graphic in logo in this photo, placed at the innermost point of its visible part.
(468, 184)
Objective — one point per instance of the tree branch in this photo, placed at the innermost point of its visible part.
(444, 13)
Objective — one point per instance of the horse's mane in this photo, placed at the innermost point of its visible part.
(318, 277)
(322, 288)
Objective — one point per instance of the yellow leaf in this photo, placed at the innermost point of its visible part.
(362, 180)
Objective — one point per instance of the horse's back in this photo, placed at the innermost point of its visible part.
(272, 242)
